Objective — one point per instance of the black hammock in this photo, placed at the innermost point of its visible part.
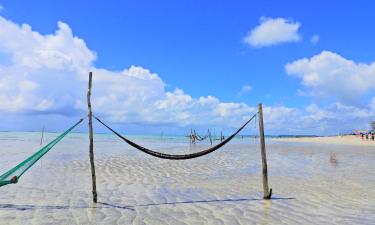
(199, 138)
(176, 157)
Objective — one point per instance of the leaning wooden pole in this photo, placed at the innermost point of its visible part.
(91, 145)
(41, 138)
(266, 190)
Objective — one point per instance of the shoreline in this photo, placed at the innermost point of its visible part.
(351, 140)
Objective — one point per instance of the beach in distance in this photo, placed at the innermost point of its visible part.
(312, 183)
(353, 140)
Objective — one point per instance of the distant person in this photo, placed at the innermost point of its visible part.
(363, 136)
(373, 136)
(332, 160)
(367, 137)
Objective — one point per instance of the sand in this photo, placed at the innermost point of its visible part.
(353, 140)
(312, 184)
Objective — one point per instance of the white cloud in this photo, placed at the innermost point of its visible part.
(338, 117)
(315, 39)
(332, 119)
(329, 75)
(32, 50)
(273, 31)
(245, 89)
(47, 74)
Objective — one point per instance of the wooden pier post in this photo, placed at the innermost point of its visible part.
(91, 145)
(266, 190)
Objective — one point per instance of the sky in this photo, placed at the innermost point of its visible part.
(168, 66)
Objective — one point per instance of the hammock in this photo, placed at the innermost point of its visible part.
(15, 173)
(199, 138)
(176, 157)
(196, 137)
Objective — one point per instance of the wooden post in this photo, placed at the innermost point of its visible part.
(209, 133)
(266, 190)
(41, 138)
(91, 145)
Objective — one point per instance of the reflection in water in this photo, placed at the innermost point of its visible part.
(266, 206)
(194, 190)
(332, 160)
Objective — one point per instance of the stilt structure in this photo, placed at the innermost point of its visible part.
(266, 190)
(91, 145)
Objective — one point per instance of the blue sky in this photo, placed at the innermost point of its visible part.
(197, 49)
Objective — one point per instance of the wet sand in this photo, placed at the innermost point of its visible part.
(312, 184)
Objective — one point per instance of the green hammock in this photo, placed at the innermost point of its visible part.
(15, 173)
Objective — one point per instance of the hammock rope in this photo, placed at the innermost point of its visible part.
(13, 175)
(172, 156)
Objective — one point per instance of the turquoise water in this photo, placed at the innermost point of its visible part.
(320, 184)
(17, 146)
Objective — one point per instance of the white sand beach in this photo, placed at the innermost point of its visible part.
(312, 183)
(354, 140)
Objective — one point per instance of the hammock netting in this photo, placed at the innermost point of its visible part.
(172, 156)
(15, 173)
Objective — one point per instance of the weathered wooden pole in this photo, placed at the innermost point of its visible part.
(209, 134)
(41, 138)
(266, 190)
(191, 136)
(91, 145)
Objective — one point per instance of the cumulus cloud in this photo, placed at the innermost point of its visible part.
(334, 118)
(47, 74)
(273, 31)
(40, 72)
(32, 50)
(338, 117)
(329, 75)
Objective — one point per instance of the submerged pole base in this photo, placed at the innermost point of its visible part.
(94, 197)
(14, 180)
(269, 195)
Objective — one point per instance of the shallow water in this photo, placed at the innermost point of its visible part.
(312, 183)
